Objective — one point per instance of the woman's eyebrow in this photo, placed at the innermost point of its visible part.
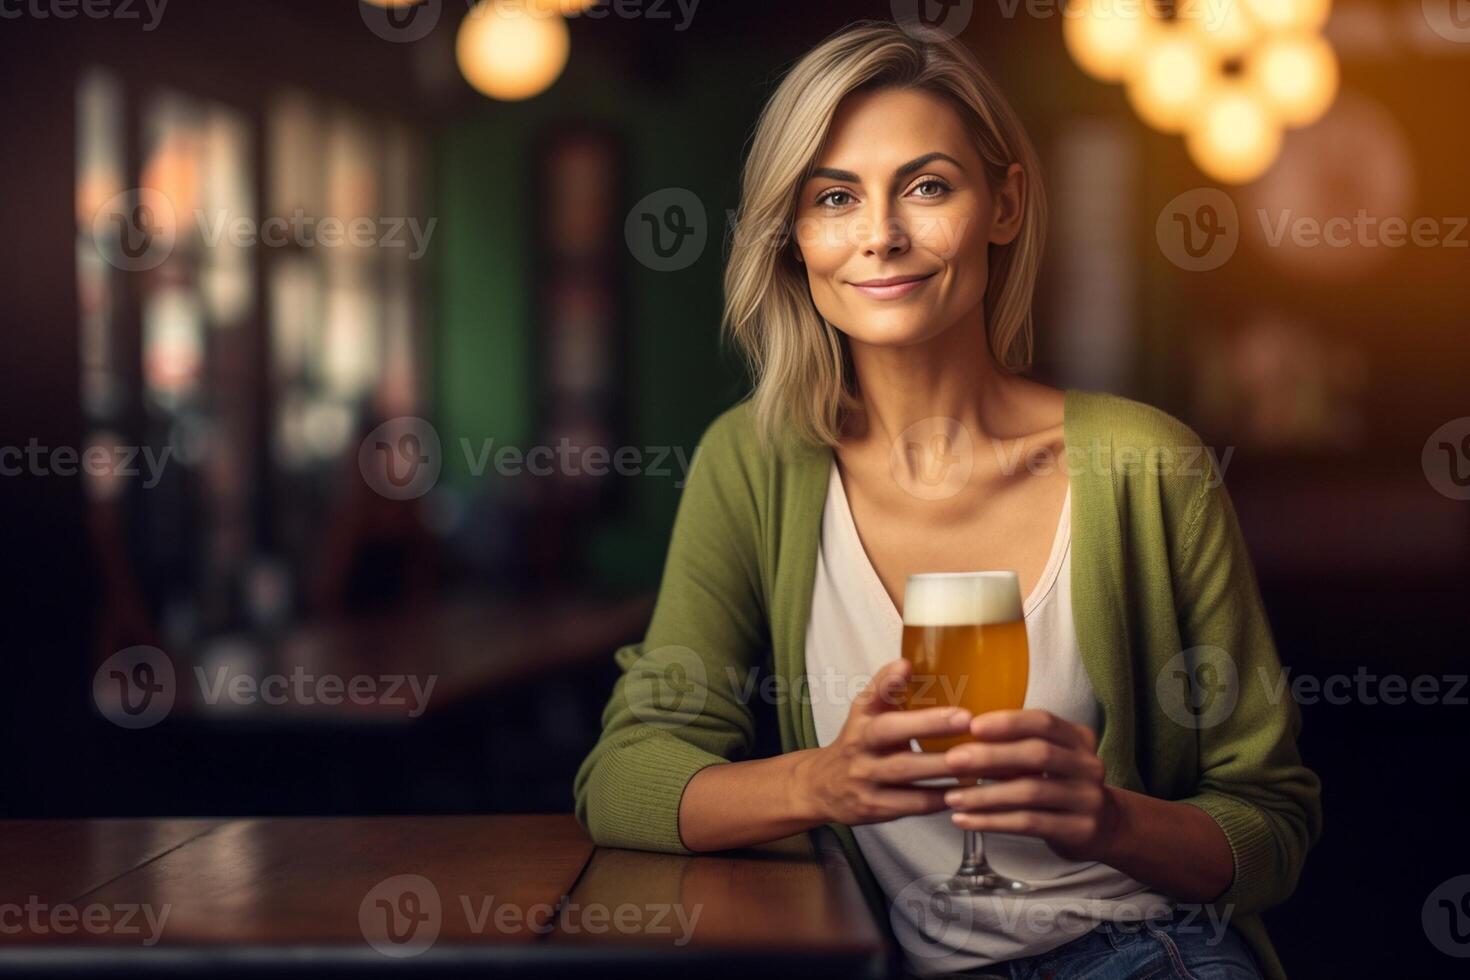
(831, 173)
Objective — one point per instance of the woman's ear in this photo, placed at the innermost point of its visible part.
(1010, 198)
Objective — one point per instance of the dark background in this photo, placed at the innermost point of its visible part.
(1325, 373)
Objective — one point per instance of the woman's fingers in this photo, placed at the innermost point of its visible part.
(1011, 726)
(1005, 760)
(895, 728)
(1026, 794)
(884, 690)
(1046, 824)
(889, 804)
(906, 767)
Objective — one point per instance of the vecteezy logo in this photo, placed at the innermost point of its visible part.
(401, 22)
(1446, 917)
(667, 687)
(927, 920)
(400, 916)
(933, 458)
(667, 230)
(1446, 459)
(401, 458)
(931, 19)
(134, 230)
(1198, 687)
(134, 688)
(1199, 230)
(1450, 19)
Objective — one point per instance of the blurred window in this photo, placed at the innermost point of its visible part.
(251, 302)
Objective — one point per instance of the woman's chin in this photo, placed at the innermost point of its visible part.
(894, 331)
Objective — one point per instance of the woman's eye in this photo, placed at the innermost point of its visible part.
(938, 187)
(830, 199)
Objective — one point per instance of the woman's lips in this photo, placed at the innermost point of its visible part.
(894, 291)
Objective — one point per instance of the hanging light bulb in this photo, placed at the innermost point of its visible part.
(1170, 80)
(1297, 76)
(511, 52)
(1290, 15)
(1225, 29)
(567, 8)
(1104, 37)
(1235, 137)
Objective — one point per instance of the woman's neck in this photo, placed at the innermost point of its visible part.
(951, 375)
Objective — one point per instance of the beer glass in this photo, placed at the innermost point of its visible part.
(965, 637)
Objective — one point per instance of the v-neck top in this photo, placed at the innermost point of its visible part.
(853, 630)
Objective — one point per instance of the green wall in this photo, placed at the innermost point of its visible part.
(688, 134)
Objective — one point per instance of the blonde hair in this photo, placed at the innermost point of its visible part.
(800, 365)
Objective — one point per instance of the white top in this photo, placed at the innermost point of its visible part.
(854, 630)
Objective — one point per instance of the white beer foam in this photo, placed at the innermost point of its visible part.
(962, 599)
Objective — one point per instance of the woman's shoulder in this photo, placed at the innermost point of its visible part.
(1141, 452)
(730, 438)
(733, 426)
(1126, 422)
(729, 448)
(734, 436)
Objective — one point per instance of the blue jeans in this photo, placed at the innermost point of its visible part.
(1188, 946)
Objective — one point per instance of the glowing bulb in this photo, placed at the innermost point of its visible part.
(1104, 38)
(1224, 28)
(567, 8)
(1170, 81)
(511, 52)
(1297, 76)
(1287, 15)
(1235, 138)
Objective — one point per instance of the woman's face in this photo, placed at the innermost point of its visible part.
(899, 193)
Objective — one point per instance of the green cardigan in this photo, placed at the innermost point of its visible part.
(1158, 567)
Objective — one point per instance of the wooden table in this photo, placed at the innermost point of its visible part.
(488, 895)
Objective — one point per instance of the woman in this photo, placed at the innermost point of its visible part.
(887, 321)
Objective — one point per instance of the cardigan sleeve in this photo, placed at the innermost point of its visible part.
(1252, 779)
(677, 706)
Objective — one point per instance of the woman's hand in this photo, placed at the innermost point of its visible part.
(1052, 784)
(864, 776)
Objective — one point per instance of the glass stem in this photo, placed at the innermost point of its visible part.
(973, 862)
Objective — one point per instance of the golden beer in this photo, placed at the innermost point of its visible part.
(966, 638)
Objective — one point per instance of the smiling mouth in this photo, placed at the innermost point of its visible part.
(892, 288)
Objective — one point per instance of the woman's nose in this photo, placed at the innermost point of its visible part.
(881, 233)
